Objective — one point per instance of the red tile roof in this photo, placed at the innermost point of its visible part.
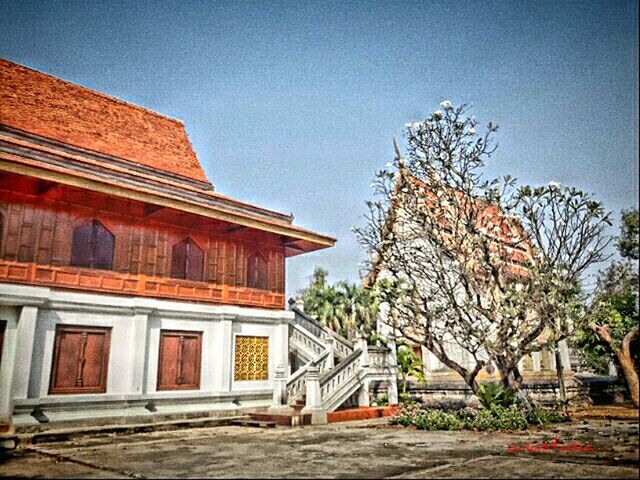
(46, 106)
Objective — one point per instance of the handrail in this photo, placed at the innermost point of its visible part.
(316, 327)
(296, 383)
(314, 345)
(340, 367)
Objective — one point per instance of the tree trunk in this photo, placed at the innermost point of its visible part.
(628, 365)
(624, 357)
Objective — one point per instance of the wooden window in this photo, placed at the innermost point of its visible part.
(179, 360)
(80, 359)
(251, 358)
(187, 260)
(92, 246)
(256, 271)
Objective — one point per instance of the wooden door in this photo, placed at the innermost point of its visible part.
(179, 360)
(80, 359)
(3, 327)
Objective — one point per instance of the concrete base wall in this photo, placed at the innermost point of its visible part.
(32, 314)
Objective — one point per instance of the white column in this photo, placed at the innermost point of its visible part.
(392, 389)
(364, 399)
(226, 330)
(140, 352)
(7, 362)
(279, 386)
(314, 397)
(25, 334)
(361, 343)
(328, 344)
(564, 355)
(535, 357)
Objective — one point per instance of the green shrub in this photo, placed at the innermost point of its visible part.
(437, 420)
(493, 393)
(545, 416)
(490, 419)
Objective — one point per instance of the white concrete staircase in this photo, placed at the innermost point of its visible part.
(333, 370)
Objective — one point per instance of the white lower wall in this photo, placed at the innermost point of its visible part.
(32, 314)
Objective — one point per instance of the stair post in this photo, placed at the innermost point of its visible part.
(314, 398)
(328, 344)
(364, 399)
(278, 403)
(392, 389)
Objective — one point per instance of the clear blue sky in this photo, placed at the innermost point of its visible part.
(293, 105)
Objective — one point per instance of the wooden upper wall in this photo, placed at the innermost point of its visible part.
(36, 239)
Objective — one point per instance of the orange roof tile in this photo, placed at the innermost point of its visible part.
(43, 105)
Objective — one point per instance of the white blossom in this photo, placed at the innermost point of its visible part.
(437, 113)
(443, 155)
(417, 125)
(472, 131)
(408, 125)
(553, 183)
(388, 165)
(446, 104)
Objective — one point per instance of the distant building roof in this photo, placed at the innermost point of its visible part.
(43, 105)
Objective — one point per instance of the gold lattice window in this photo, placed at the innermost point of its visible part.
(251, 358)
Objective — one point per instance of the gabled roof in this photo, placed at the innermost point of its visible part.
(37, 103)
(56, 131)
(505, 233)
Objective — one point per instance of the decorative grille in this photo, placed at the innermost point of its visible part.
(251, 358)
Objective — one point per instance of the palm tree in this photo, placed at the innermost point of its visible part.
(343, 307)
(410, 366)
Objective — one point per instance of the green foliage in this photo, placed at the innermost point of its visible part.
(382, 401)
(496, 394)
(545, 416)
(492, 419)
(409, 366)
(343, 307)
(614, 305)
(629, 235)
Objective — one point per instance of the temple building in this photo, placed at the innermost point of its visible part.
(508, 241)
(128, 285)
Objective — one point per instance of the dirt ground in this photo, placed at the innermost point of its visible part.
(586, 449)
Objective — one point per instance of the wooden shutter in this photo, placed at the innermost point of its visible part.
(103, 243)
(80, 359)
(82, 247)
(256, 271)
(187, 260)
(179, 260)
(179, 360)
(92, 246)
(195, 261)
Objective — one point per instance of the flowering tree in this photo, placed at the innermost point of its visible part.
(477, 270)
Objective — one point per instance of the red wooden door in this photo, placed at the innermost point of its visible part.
(80, 359)
(179, 360)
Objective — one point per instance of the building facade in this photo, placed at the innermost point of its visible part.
(127, 284)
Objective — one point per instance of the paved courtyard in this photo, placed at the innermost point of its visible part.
(589, 448)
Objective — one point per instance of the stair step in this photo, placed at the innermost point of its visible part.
(254, 423)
